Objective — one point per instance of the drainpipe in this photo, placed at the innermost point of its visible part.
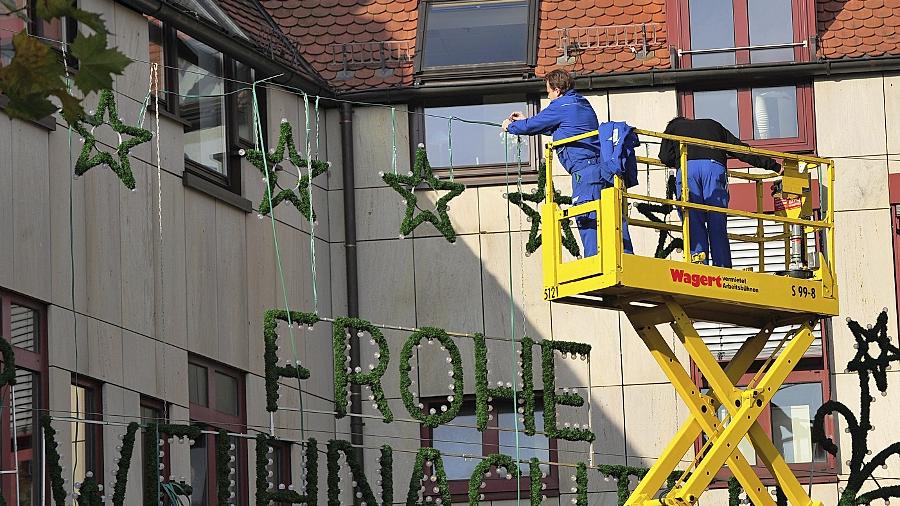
(356, 422)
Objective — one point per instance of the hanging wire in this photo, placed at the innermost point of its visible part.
(450, 145)
(312, 220)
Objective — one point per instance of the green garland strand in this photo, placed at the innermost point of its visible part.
(650, 211)
(552, 399)
(538, 196)
(581, 483)
(54, 470)
(122, 167)
(622, 475)
(497, 460)
(89, 493)
(8, 374)
(417, 477)
(536, 475)
(124, 464)
(865, 365)
(223, 466)
(442, 417)
(735, 490)
(344, 376)
(406, 185)
(362, 489)
(525, 355)
(273, 371)
(269, 166)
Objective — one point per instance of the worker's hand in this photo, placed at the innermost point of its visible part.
(505, 124)
(516, 116)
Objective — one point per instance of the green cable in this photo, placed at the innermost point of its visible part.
(312, 223)
(260, 145)
(512, 317)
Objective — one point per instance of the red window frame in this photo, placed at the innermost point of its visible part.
(803, 19)
(212, 419)
(36, 363)
(804, 142)
(497, 488)
(93, 411)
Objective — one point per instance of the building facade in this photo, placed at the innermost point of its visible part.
(149, 305)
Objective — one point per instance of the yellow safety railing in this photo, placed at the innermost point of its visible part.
(812, 164)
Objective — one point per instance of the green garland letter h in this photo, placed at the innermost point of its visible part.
(484, 394)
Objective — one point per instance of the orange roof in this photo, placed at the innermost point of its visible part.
(853, 28)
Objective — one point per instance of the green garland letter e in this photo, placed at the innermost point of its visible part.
(290, 370)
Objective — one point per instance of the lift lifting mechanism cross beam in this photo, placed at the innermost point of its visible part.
(656, 291)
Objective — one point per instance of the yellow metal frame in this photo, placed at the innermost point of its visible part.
(653, 291)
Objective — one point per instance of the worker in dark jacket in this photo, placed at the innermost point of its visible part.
(707, 183)
(570, 114)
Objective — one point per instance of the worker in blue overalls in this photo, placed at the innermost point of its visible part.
(707, 183)
(570, 114)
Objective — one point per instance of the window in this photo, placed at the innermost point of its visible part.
(11, 24)
(479, 154)
(217, 402)
(87, 438)
(23, 322)
(772, 117)
(208, 96)
(463, 35)
(281, 467)
(721, 33)
(460, 439)
(788, 417)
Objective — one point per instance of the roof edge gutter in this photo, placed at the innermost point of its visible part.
(648, 79)
(209, 33)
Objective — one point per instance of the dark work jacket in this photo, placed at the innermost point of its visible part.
(710, 130)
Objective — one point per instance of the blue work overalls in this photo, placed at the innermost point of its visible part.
(708, 184)
(569, 115)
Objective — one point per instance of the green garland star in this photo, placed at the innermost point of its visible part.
(269, 167)
(537, 196)
(121, 166)
(406, 185)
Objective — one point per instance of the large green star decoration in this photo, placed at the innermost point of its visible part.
(269, 166)
(406, 185)
(119, 164)
(537, 196)
(650, 211)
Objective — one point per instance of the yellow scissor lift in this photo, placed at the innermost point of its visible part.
(655, 291)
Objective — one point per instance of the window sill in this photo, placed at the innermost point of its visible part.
(165, 113)
(201, 184)
(48, 122)
(492, 175)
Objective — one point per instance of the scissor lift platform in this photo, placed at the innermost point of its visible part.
(676, 292)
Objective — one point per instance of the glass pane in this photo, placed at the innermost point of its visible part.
(198, 385)
(10, 25)
(244, 99)
(151, 415)
(720, 105)
(771, 22)
(22, 431)
(157, 54)
(201, 104)
(84, 443)
(775, 112)
(24, 327)
(226, 394)
(793, 409)
(200, 472)
(472, 144)
(471, 33)
(712, 27)
(745, 446)
(458, 441)
(529, 446)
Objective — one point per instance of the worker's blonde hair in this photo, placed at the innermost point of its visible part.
(560, 80)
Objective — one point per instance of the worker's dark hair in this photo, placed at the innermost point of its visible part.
(560, 80)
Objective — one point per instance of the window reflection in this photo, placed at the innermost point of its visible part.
(200, 471)
(202, 103)
(472, 33)
(536, 446)
(720, 105)
(459, 441)
(473, 144)
(24, 327)
(793, 409)
(22, 434)
(771, 22)
(775, 112)
(712, 27)
(84, 435)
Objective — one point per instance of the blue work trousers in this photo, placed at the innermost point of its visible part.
(708, 184)
(586, 186)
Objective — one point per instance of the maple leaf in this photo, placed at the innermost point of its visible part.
(96, 62)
